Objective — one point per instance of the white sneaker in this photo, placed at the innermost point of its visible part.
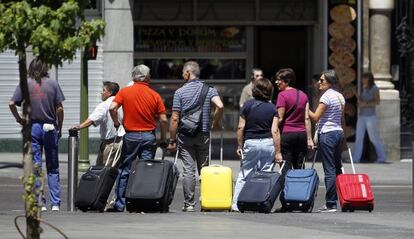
(55, 208)
(44, 209)
(324, 208)
(188, 208)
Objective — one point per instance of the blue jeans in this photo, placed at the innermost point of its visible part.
(135, 144)
(369, 124)
(49, 141)
(257, 154)
(330, 149)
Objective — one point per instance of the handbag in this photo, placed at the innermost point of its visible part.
(190, 120)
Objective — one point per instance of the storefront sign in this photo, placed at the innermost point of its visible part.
(190, 39)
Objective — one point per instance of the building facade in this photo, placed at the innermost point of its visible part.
(230, 37)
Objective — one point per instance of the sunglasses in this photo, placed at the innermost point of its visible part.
(321, 80)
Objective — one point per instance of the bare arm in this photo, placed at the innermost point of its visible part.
(320, 110)
(113, 110)
(372, 103)
(163, 126)
(175, 117)
(218, 112)
(308, 127)
(13, 109)
(60, 115)
(84, 124)
(281, 113)
(243, 97)
(276, 139)
(240, 135)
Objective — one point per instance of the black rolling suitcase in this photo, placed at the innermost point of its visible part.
(151, 185)
(96, 185)
(260, 191)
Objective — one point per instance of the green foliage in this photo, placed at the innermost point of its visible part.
(54, 30)
(29, 197)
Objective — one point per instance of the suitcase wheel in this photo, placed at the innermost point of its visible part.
(309, 209)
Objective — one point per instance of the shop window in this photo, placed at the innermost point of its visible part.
(212, 69)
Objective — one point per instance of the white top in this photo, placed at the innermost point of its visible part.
(331, 119)
(101, 116)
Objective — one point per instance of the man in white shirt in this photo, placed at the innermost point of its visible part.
(101, 116)
(247, 89)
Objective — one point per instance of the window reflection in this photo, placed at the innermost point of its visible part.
(210, 68)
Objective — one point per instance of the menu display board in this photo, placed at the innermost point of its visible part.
(190, 39)
(343, 51)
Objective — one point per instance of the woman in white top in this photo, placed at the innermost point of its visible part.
(331, 140)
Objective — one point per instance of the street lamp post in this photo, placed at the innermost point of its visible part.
(84, 106)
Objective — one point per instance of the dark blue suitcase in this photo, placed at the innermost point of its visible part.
(260, 191)
(300, 190)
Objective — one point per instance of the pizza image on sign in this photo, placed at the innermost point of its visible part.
(341, 30)
(343, 14)
(345, 75)
(341, 58)
(344, 45)
(348, 91)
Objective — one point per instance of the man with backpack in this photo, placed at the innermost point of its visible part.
(191, 118)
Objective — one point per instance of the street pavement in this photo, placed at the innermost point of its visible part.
(392, 217)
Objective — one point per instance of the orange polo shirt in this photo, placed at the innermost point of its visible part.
(141, 105)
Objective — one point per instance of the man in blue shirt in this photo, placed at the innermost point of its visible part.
(46, 98)
(193, 150)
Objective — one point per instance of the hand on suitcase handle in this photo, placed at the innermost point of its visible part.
(239, 153)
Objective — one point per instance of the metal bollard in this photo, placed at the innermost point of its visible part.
(73, 148)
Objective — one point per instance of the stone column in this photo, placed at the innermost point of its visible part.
(388, 112)
(118, 41)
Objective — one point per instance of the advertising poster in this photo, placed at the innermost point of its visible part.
(343, 54)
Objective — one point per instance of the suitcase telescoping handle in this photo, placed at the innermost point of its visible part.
(352, 162)
(314, 158)
(117, 152)
(221, 146)
(271, 166)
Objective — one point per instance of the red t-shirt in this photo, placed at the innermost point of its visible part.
(141, 105)
(295, 122)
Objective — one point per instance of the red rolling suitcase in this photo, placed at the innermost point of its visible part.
(354, 191)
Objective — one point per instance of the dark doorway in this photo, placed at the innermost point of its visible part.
(283, 47)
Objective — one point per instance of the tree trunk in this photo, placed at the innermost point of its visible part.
(29, 181)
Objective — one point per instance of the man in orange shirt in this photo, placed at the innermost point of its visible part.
(142, 107)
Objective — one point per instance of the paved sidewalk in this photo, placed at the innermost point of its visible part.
(391, 218)
(395, 173)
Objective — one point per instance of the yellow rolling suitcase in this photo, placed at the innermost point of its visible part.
(216, 184)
